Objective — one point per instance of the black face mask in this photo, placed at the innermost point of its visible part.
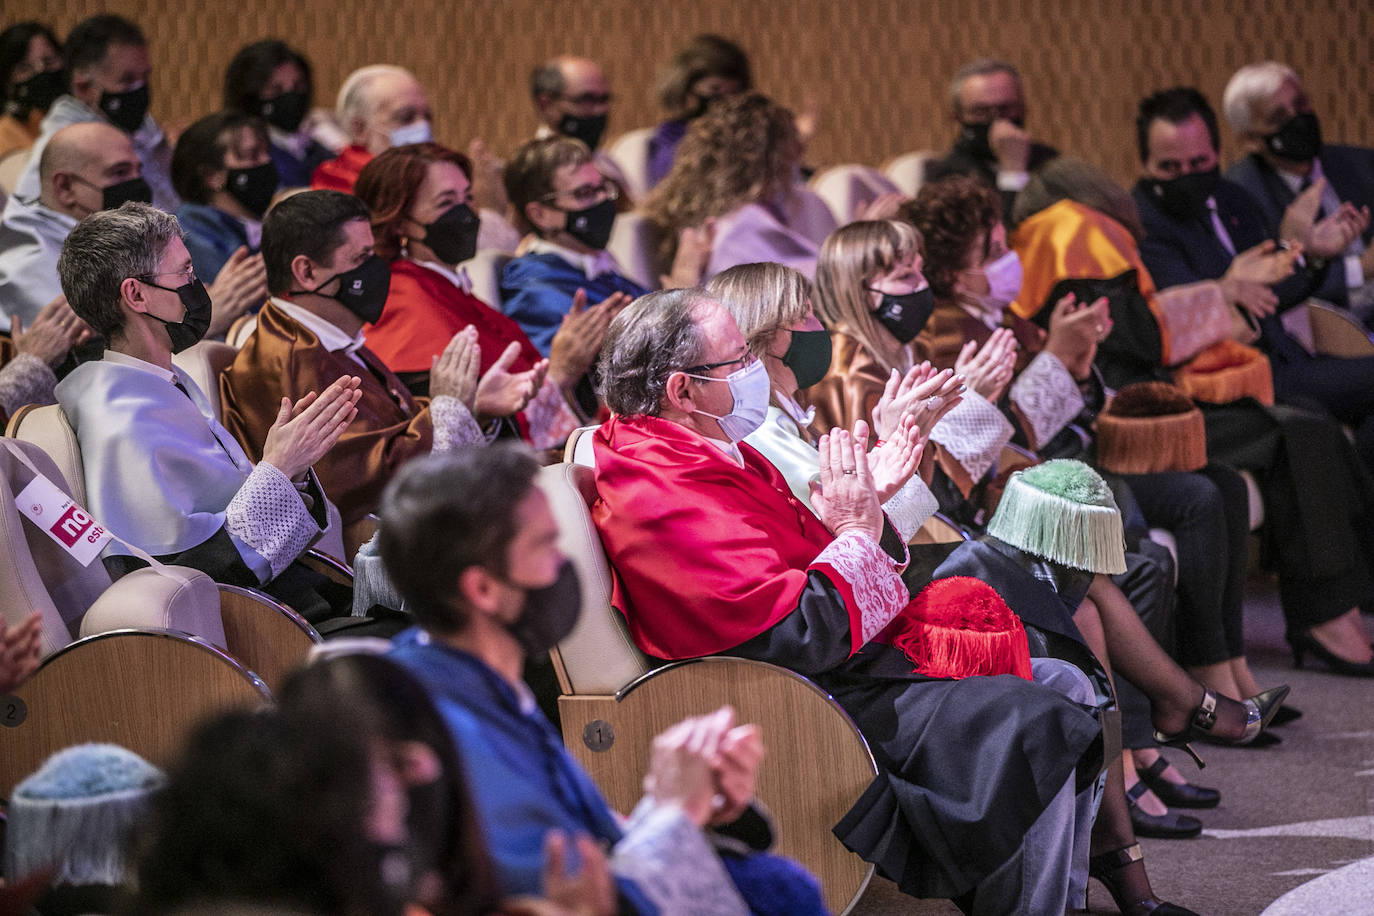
(126, 110)
(362, 290)
(1299, 139)
(286, 111)
(189, 331)
(453, 236)
(1185, 197)
(592, 225)
(588, 129)
(253, 188)
(550, 613)
(905, 315)
(37, 93)
(114, 196)
(973, 139)
(808, 356)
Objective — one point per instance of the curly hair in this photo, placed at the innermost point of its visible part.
(743, 150)
(389, 184)
(950, 214)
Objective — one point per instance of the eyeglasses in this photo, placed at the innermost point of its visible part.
(589, 194)
(189, 275)
(986, 114)
(746, 360)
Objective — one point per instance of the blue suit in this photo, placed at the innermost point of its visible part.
(211, 237)
(537, 291)
(1350, 172)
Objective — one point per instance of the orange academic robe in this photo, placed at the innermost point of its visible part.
(284, 359)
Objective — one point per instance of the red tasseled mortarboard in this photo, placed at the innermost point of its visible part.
(961, 627)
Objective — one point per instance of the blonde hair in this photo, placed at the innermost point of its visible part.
(852, 258)
(743, 150)
(763, 299)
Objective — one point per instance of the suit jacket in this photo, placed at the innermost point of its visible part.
(1350, 172)
(958, 161)
(1186, 251)
(284, 359)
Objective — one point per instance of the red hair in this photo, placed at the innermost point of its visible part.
(389, 184)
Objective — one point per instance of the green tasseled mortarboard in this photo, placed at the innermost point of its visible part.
(1063, 511)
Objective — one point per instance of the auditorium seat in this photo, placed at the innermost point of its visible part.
(634, 245)
(484, 270)
(847, 189)
(614, 701)
(630, 151)
(908, 171)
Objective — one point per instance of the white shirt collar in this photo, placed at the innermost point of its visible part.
(728, 448)
(790, 407)
(124, 359)
(1295, 182)
(329, 334)
(593, 265)
(458, 277)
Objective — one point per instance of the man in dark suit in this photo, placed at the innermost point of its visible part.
(1267, 107)
(990, 108)
(1199, 226)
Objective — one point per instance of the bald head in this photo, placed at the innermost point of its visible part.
(378, 99)
(79, 161)
(569, 86)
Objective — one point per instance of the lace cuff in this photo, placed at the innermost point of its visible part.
(973, 434)
(670, 860)
(454, 427)
(1191, 318)
(268, 515)
(910, 506)
(551, 420)
(867, 578)
(1046, 395)
(26, 379)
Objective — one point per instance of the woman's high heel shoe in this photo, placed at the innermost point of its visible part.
(1107, 868)
(1259, 710)
(1303, 642)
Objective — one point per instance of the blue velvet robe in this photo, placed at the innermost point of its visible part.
(537, 291)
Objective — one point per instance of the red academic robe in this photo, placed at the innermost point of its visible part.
(340, 173)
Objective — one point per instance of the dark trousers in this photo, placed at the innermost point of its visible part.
(1208, 514)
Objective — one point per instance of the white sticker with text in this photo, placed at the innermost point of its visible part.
(63, 520)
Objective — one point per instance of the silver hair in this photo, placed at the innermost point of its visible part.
(656, 335)
(104, 250)
(354, 100)
(983, 66)
(1251, 84)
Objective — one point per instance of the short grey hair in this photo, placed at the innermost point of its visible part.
(104, 250)
(355, 99)
(654, 337)
(983, 66)
(547, 78)
(1250, 85)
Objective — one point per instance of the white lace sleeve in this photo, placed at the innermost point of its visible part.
(910, 506)
(973, 433)
(26, 379)
(871, 576)
(550, 419)
(268, 515)
(1047, 396)
(454, 427)
(671, 861)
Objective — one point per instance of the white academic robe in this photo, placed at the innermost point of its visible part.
(31, 238)
(163, 474)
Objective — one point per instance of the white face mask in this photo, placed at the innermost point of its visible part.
(1004, 278)
(749, 387)
(416, 132)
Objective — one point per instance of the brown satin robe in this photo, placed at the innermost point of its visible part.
(284, 359)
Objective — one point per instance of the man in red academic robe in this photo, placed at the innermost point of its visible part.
(976, 798)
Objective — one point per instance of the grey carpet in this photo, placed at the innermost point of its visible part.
(1294, 835)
